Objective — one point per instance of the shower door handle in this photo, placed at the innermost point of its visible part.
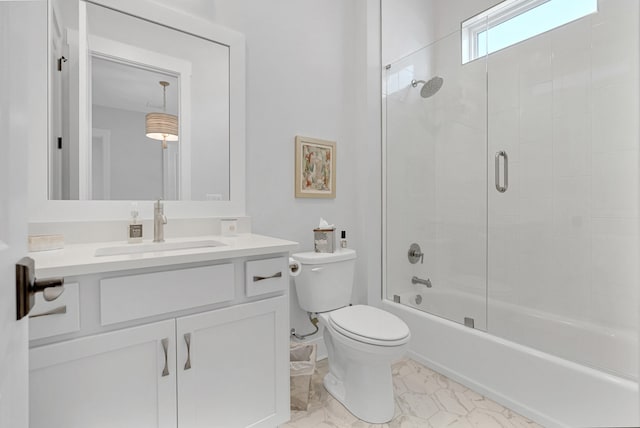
(502, 154)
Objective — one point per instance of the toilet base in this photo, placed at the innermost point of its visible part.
(334, 387)
(360, 377)
(375, 406)
(360, 374)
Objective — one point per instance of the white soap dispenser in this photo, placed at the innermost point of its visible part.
(135, 228)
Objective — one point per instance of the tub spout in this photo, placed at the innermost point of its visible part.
(416, 280)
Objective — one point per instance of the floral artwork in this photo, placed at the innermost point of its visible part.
(315, 168)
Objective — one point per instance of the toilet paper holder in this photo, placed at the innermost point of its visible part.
(293, 267)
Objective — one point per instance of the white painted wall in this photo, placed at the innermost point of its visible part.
(409, 25)
(306, 75)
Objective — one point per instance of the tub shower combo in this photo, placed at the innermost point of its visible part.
(511, 215)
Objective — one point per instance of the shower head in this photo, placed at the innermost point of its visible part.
(430, 87)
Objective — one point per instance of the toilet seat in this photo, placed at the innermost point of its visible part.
(369, 325)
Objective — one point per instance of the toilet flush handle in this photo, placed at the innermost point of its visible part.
(318, 269)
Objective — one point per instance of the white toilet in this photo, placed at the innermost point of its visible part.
(362, 341)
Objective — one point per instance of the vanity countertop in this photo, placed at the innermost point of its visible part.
(80, 259)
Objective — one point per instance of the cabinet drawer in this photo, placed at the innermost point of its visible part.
(266, 276)
(138, 296)
(56, 317)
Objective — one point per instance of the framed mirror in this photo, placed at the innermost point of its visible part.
(117, 69)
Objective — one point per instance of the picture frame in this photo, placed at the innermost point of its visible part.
(315, 171)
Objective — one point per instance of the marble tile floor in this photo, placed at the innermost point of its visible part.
(424, 399)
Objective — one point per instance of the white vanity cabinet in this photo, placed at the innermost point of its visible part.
(221, 363)
(108, 380)
(231, 368)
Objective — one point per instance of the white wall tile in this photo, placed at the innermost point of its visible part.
(615, 254)
(503, 69)
(504, 132)
(615, 184)
(571, 144)
(614, 120)
(535, 60)
(614, 51)
(536, 113)
(571, 82)
(570, 295)
(503, 258)
(536, 170)
(572, 208)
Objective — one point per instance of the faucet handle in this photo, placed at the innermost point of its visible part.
(415, 254)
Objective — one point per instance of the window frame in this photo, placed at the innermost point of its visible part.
(484, 21)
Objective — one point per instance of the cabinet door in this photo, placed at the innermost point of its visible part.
(116, 379)
(235, 371)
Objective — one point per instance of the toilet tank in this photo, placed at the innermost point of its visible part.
(325, 281)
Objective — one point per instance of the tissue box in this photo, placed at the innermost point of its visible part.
(45, 242)
(324, 240)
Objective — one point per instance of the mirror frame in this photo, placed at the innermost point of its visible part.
(41, 209)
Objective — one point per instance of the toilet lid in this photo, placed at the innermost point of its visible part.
(370, 325)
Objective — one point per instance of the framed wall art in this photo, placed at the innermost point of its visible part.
(315, 172)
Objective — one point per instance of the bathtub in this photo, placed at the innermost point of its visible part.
(553, 391)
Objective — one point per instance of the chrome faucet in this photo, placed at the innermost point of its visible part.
(159, 220)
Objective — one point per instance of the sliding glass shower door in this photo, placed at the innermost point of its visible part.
(436, 189)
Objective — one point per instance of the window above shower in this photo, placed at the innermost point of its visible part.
(513, 21)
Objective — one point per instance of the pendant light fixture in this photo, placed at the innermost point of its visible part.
(162, 126)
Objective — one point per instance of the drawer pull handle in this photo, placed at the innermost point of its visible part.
(187, 340)
(262, 278)
(165, 348)
(55, 311)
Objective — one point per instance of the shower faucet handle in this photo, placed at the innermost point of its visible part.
(415, 254)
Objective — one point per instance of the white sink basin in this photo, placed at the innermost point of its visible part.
(154, 247)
